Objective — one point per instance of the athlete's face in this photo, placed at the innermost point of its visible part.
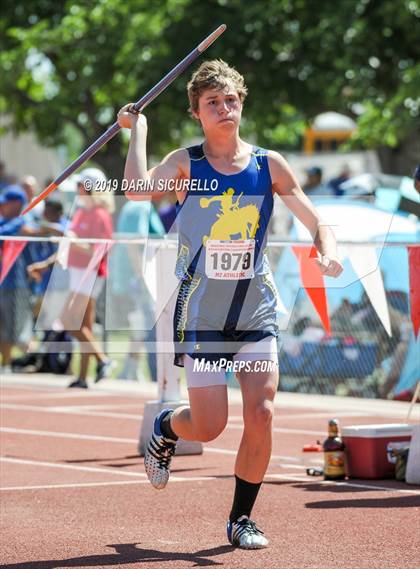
(219, 109)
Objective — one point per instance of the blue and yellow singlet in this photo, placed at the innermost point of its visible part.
(227, 208)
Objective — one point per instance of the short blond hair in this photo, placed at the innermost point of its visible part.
(103, 198)
(214, 74)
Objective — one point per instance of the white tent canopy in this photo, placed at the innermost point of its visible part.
(333, 121)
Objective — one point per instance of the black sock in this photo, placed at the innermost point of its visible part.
(165, 427)
(245, 495)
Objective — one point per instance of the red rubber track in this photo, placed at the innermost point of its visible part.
(83, 501)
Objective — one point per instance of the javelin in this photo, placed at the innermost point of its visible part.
(139, 106)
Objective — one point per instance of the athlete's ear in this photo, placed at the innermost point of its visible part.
(196, 116)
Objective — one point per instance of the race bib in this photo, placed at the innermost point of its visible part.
(230, 260)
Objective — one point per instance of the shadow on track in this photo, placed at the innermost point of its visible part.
(400, 502)
(125, 554)
(412, 501)
(340, 487)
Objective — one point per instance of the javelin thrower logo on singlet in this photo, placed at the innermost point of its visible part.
(232, 219)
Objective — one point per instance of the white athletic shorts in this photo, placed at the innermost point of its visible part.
(255, 356)
(87, 284)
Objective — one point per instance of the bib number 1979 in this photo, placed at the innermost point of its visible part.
(230, 260)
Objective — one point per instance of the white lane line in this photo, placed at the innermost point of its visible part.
(81, 485)
(327, 414)
(71, 466)
(345, 483)
(77, 410)
(234, 452)
(288, 465)
(113, 483)
(99, 411)
(118, 440)
(284, 430)
(298, 431)
(113, 415)
(290, 477)
(122, 440)
(91, 410)
(93, 469)
(67, 435)
(287, 401)
(269, 476)
(100, 407)
(85, 394)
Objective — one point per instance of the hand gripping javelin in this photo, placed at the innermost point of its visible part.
(139, 106)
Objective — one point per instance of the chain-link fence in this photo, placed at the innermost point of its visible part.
(359, 357)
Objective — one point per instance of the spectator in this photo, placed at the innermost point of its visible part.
(4, 178)
(33, 360)
(414, 260)
(92, 220)
(137, 218)
(15, 309)
(335, 183)
(52, 219)
(313, 185)
(30, 186)
(14, 291)
(50, 292)
(341, 318)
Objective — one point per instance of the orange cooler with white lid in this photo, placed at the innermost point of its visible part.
(366, 448)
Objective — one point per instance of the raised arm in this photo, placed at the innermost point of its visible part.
(287, 187)
(141, 182)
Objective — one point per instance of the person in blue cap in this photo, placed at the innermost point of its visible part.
(314, 185)
(14, 291)
(12, 200)
(15, 309)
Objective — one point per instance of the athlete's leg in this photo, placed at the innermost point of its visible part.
(78, 318)
(206, 416)
(87, 326)
(203, 420)
(258, 392)
(6, 352)
(75, 316)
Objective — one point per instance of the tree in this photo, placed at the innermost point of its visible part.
(68, 66)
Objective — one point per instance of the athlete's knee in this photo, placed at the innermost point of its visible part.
(259, 416)
(206, 433)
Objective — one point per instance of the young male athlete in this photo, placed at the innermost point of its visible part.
(226, 307)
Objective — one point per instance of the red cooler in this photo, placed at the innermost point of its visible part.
(366, 448)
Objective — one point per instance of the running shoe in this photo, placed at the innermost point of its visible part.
(245, 534)
(104, 369)
(79, 383)
(158, 455)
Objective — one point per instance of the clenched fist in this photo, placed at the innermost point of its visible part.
(128, 119)
(330, 266)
